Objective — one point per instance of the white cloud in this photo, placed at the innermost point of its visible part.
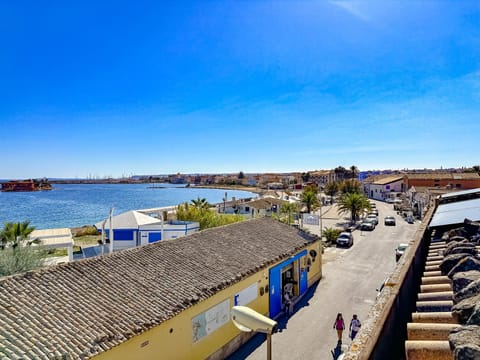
(353, 8)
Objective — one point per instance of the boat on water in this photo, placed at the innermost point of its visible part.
(26, 185)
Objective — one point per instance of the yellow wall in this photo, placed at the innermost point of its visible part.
(172, 339)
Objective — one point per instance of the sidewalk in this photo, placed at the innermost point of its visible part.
(350, 277)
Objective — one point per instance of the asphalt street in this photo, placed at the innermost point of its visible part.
(350, 278)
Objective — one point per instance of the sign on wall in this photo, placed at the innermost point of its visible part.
(210, 320)
(311, 219)
(245, 296)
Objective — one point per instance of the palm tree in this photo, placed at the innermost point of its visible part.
(15, 233)
(15, 257)
(289, 209)
(354, 171)
(353, 203)
(310, 199)
(200, 203)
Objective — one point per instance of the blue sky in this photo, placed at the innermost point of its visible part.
(112, 88)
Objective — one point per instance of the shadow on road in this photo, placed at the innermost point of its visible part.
(257, 340)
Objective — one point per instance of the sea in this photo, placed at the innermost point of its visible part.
(74, 205)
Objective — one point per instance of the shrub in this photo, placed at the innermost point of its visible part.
(331, 234)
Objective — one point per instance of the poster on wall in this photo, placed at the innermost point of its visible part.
(246, 295)
(207, 322)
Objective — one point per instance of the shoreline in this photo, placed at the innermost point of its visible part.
(252, 189)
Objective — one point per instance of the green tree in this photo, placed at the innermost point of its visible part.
(330, 234)
(305, 176)
(200, 203)
(353, 203)
(340, 172)
(350, 187)
(241, 175)
(353, 172)
(311, 188)
(15, 233)
(309, 198)
(16, 253)
(331, 189)
(289, 209)
(205, 217)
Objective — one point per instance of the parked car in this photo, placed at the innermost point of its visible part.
(400, 250)
(373, 218)
(409, 219)
(373, 205)
(374, 211)
(367, 224)
(345, 239)
(389, 220)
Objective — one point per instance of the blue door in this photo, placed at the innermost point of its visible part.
(275, 283)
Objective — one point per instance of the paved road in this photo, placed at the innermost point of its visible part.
(350, 279)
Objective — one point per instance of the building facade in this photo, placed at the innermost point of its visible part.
(459, 181)
(134, 228)
(168, 300)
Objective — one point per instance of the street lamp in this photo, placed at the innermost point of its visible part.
(110, 232)
(249, 320)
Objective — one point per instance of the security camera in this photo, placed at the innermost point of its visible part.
(248, 320)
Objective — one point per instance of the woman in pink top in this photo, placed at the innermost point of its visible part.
(339, 324)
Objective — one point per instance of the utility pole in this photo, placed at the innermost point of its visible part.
(110, 232)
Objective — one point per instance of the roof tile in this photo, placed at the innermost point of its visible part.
(92, 305)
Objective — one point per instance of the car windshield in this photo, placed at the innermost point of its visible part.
(402, 247)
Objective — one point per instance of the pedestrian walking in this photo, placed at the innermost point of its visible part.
(339, 325)
(355, 325)
(288, 304)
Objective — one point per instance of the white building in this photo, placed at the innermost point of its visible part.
(54, 239)
(385, 188)
(133, 228)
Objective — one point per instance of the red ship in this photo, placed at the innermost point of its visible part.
(26, 185)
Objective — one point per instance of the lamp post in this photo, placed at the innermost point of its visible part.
(248, 320)
(110, 232)
(320, 217)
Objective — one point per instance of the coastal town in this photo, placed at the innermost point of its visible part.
(240, 180)
(316, 203)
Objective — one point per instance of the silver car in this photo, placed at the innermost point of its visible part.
(345, 239)
(389, 220)
(373, 218)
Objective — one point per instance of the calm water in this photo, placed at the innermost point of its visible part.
(84, 204)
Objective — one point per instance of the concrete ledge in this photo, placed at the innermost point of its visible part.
(437, 244)
(436, 296)
(435, 288)
(434, 306)
(427, 350)
(434, 317)
(429, 331)
(436, 280)
(432, 273)
(433, 263)
(435, 258)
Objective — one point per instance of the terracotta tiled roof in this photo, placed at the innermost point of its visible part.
(265, 203)
(388, 180)
(453, 176)
(82, 308)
